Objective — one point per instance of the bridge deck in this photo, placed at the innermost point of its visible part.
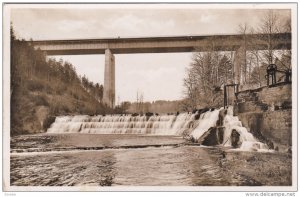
(163, 44)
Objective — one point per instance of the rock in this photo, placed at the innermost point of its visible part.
(197, 116)
(192, 139)
(223, 154)
(214, 136)
(235, 138)
(270, 144)
(209, 138)
(201, 111)
(149, 114)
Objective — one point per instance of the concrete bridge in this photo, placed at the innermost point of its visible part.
(111, 46)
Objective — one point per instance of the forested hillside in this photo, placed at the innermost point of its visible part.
(42, 89)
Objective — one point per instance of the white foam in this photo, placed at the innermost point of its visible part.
(247, 140)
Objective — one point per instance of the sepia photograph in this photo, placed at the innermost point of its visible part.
(150, 96)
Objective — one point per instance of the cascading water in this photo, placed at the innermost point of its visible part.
(246, 139)
(206, 121)
(160, 125)
(124, 124)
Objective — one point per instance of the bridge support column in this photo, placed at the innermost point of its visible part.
(239, 60)
(109, 79)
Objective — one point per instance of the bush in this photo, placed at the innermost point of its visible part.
(48, 121)
(40, 100)
(61, 89)
(59, 108)
(33, 85)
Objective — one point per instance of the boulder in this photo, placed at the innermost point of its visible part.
(149, 114)
(235, 139)
(201, 111)
(213, 137)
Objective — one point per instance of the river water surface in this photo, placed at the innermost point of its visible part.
(136, 160)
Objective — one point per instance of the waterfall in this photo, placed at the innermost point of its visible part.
(206, 121)
(197, 125)
(246, 140)
(124, 124)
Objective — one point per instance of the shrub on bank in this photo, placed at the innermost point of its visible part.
(48, 121)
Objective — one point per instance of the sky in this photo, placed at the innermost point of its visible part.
(158, 76)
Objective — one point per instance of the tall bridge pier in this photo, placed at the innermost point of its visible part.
(112, 46)
(109, 79)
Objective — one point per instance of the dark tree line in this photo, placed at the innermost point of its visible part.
(28, 64)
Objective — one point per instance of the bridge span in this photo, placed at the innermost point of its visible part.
(111, 46)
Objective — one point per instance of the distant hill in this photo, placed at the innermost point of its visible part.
(42, 89)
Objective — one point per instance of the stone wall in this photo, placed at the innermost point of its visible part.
(267, 113)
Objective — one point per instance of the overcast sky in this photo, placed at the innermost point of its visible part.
(158, 76)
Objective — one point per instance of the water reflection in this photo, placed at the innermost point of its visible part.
(164, 166)
(146, 167)
(88, 168)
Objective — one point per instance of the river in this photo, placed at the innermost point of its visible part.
(77, 159)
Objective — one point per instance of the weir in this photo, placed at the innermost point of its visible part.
(198, 126)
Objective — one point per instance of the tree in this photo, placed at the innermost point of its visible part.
(256, 61)
(191, 90)
(85, 82)
(204, 78)
(243, 29)
(122, 108)
(100, 92)
(269, 26)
